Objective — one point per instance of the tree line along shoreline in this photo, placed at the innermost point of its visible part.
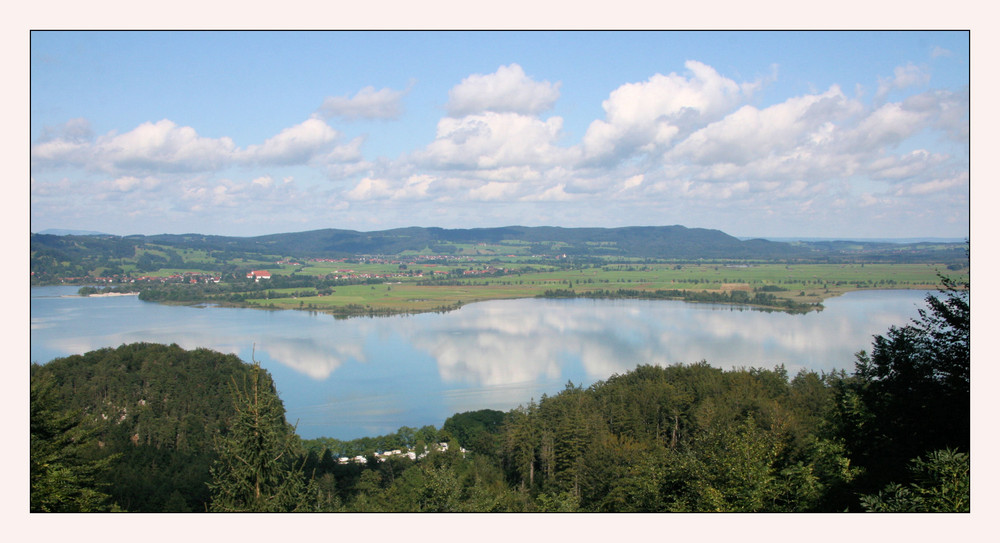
(383, 297)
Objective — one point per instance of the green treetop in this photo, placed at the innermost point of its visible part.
(256, 468)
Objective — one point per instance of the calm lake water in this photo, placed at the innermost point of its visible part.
(369, 376)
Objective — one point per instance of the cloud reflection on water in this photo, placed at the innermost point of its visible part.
(507, 342)
(383, 372)
(514, 341)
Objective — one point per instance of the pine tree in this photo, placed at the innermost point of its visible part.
(64, 478)
(519, 446)
(256, 469)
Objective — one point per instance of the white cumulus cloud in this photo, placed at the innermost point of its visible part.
(294, 145)
(556, 193)
(370, 188)
(887, 126)
(264, 181)
(159, 146)
(508, 90)
(162, 145)
(493, 140)
(933, 185)
(647, 116)
(913, 164)
(368, 103)
(130, 183)
(939, 51)
(415, 187)
(74, 130)
(750, 133)
(495, 190)
(909, 75)
(948, 111)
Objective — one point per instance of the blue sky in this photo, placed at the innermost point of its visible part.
(822, 134)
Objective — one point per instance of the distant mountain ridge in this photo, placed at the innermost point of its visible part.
(636, 241)
(663, 242)
(64, 232)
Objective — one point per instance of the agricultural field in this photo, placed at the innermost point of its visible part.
(802, 284)
(440, 274)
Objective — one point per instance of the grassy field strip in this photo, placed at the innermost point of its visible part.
(810, 283)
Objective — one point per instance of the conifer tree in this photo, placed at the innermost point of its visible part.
(256, 469)
(64, 477)
(520, 444)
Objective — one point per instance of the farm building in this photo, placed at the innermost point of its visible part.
(257, 275)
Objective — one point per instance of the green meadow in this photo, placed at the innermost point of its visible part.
(801, 283)
(444, 274)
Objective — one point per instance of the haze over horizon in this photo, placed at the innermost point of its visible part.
(757, 134)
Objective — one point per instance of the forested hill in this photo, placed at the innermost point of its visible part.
(669, 242)
(640, 241)
(155, 412)
(646, 241)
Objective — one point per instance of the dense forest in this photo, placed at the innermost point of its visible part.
(156, 428)
(150, 412)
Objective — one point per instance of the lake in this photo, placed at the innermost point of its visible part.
(369, 376)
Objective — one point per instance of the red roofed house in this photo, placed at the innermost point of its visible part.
(257, 275)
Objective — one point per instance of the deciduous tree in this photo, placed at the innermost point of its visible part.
(915, 387)
(941, 485)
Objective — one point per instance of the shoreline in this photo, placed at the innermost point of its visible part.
(357, 310)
